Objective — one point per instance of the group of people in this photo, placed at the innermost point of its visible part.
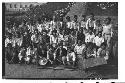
(58, 41)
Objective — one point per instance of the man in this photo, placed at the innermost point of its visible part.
(90, 22)
(34, 38)
(89, 37)
(80, 35)
(61, 54)
(75, 24)
(98, 40)
(107, 30)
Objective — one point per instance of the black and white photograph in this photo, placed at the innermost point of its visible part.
(60, 40)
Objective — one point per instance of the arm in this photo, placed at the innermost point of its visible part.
(87, 24)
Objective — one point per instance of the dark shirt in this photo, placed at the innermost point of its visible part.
(80, 36)
(63, 53)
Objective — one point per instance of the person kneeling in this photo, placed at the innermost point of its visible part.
(103, 52)
(71, 57)
(61, 54)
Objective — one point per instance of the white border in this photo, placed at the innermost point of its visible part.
(121, 44)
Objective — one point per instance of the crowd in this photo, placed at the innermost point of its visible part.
(58, 41)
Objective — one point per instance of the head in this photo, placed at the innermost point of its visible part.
(83, 17)
(68, 18)
(90, 32)
(79, 42)
(99, 34)
(81, 30)
(61, 45)
(107, 20)
(103, 45)
(54, 32)
(98, 22)
(36, 32)
(91, 16)
(54, 17)
(75, 18)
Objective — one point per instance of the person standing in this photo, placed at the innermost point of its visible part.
(90, 22)
(107, 30)
(83, 22)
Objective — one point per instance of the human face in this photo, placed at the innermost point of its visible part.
(107, 21)
(83, 18)
(79, 42)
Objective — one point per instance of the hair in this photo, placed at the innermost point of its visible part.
(104, 44)
(92, 14)
(54, 31)
(75, 16)
(67, 18)
(108, 18)
(83, 16)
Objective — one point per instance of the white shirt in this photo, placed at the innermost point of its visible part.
(39, 27)
(7, 40)
(107, 29)
(90, 23)
(83, 24)
(53, 25)
(19, 41)
(89, 38)
(60, 37)
(79, 49)
(75, 25)
(28, 52)
(34, 39)
(53, 39)
(72, 56)
(69, 25)
(98, 40)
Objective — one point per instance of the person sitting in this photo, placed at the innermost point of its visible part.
(98, 40)
(91, 50)
(34, 39)
(103, 52)
(50, 53)
(28, 55)
(79, 50)
(71, 57)
(61, 54)
(21, 55)
(89, 37)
